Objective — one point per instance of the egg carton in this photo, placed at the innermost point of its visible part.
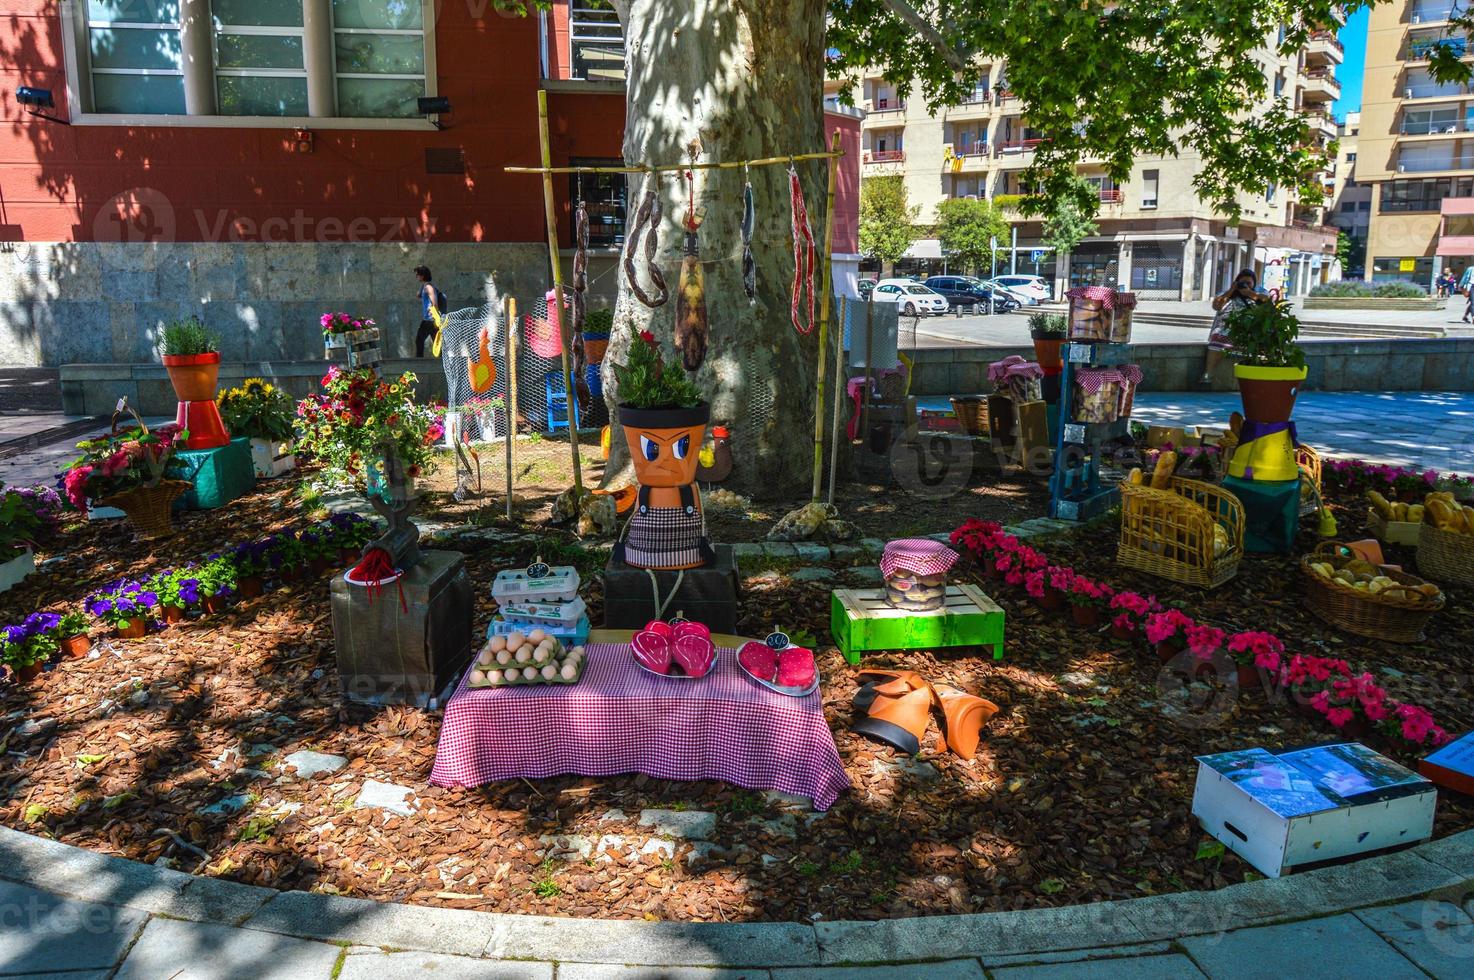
(572, 636)
(559, 585)
(561, 615)
(583, 664)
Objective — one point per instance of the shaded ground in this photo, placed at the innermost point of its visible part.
(29, 390)
(1082, 790)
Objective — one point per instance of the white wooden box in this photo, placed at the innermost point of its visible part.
(1286, 811)
(13, 572)
(271, 459)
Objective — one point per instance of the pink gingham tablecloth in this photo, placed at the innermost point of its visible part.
(620, 719)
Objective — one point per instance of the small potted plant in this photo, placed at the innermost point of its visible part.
(217, 582)
(179, 593)
(26, 648)
(350, 533)
(1271, 366)
(134, 470)
(1087, 599)
(251, 563)
(1258, 657)
(191, 355)
(348, 426)
(1204, 643)
(1131, 610)
(341, 329)
(263, 413)
(285, 556)
(124, 607)
(1048, 331)
(71, 631)
(664, 419)
(1166, 632)
(597, 325)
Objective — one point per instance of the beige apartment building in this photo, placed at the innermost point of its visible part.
(1414, 148)
(1156, 235)
(1350, 197)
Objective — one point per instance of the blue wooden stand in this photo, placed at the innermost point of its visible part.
(1075, 490)
(219, 475)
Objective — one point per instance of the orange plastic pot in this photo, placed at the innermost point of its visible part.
(665, 443)
(76, 647)
(1046, 352)
(194, 376)
(1268, 393)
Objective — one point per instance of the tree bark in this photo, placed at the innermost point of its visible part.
(746, 78)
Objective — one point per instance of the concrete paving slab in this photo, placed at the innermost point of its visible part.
(1172, 966)
(200, 951)
(409, 965)
(1076, 955)
(947, 970)
(654, 943)
(334, 918)
(593, 971)
(1339, 946)
(1437, 936)
(40, 931)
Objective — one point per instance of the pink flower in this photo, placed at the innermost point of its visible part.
(1376, 711)
(1034, 584)
(1338, 717)
(1204, 641)
(1060, 577)
(1166, 625)
(1321, 702)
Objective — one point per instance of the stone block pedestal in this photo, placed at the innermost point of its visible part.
(706, 595)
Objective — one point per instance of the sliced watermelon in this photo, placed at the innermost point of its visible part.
(759, 659)
(652, 650)
(796, 668)
(694, 655)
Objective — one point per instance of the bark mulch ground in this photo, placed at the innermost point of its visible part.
(169, 748)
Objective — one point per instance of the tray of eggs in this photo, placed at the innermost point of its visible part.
(532, 658)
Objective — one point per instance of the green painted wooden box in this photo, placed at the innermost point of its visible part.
(861, 620)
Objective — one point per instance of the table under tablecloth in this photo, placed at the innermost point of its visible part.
(620, 719)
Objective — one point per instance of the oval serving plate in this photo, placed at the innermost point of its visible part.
(792, 692)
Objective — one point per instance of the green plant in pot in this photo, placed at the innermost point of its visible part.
(191, 355)
(1271, 366)
(597, 325)
(1048, 331)
(664, 419)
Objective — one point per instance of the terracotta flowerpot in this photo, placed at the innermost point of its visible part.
(1046, 352)
(1085, 615)
(76, 647)
(1051, 600)
(195, 378)
(250, 586)
(1168, 649)
(1268, 393)
(1249, 679)
(135, 629)
(215, 604)
(1122, 634)
(348, 557)
(173, 614)
(289, 573)
(27, 673)
(665, 443)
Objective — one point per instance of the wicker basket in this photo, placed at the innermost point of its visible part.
(148, 508)
(1445, 556)
(1396, 620)
(972, 413)
(1169, 533)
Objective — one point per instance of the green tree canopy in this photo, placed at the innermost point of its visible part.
(886, 220)
(967, 229)
(1070, 222)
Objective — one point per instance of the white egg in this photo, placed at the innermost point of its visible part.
(570, 671)
(504, 657)
(578, 652)
(542, 654)
(493, 677)
(523, 655)
(537, 636)
(497, 643)
(477, 678)
(550, 672)
(511, 674)
(485, 658)
(515, 640)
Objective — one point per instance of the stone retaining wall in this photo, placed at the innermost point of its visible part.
(72, 302)
(1378, 303)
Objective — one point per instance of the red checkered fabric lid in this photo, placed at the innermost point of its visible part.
(1013, 366)
(1105, 296)
(1093, 379)
(921, 556)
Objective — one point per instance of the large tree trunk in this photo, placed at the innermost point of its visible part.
(746, 77)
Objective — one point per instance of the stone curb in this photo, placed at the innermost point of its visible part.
(1445, 865)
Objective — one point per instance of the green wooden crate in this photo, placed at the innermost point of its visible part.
(861, 620)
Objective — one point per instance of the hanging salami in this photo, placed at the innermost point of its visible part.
(692, 330)
(647, 226)
(749, 221)
(803, 255)
(580, 307)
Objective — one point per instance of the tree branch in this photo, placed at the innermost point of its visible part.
(909, 14)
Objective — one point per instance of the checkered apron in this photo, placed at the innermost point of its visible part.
(666, 537)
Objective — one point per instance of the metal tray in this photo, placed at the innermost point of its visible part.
(792, 692)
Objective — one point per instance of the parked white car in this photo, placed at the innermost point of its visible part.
(1036, 287)
(911, 297)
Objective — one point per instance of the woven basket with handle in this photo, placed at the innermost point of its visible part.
(148, 508)
(1169, 532)
(1395, 619)
(1446, 556)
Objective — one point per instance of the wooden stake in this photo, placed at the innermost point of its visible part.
(869, 364)
(824, 320)
(839, 391)
(510, 305)
(563, 319)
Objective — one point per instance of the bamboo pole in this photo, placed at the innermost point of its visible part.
(563, 325)
(839, 392)
(824, 320)
(510, 305)
(869, 363)
(672, 168)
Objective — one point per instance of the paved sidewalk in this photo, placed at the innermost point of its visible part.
(70, 913)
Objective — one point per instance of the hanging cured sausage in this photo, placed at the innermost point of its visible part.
(803, 254)
(749, 221)
(692, 331)
(647, 225)
(580, 307)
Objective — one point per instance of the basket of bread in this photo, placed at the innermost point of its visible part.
(1377, 601)
(1393, 522)
(1446, 540)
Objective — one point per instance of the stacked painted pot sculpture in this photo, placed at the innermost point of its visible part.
(667, 530)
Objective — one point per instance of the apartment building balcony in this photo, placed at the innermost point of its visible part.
(1016, 153)
(1427, 12)
(1321, 122)
(1320, 85)
(1005, 96)
(596, 42)
(1456, 227)
(1324, 48)
(979, 107)
(1421, 49)
(887, 108)
(972, 159)
(884, 161)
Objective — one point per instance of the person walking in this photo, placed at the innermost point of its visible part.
(1466, 287)
(1241, 295)
(430, 297)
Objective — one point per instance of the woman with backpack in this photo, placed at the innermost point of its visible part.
(431, 297)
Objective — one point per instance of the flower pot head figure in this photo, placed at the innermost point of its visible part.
(664, 420)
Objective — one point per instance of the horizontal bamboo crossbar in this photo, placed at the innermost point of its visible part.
(675, 168)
